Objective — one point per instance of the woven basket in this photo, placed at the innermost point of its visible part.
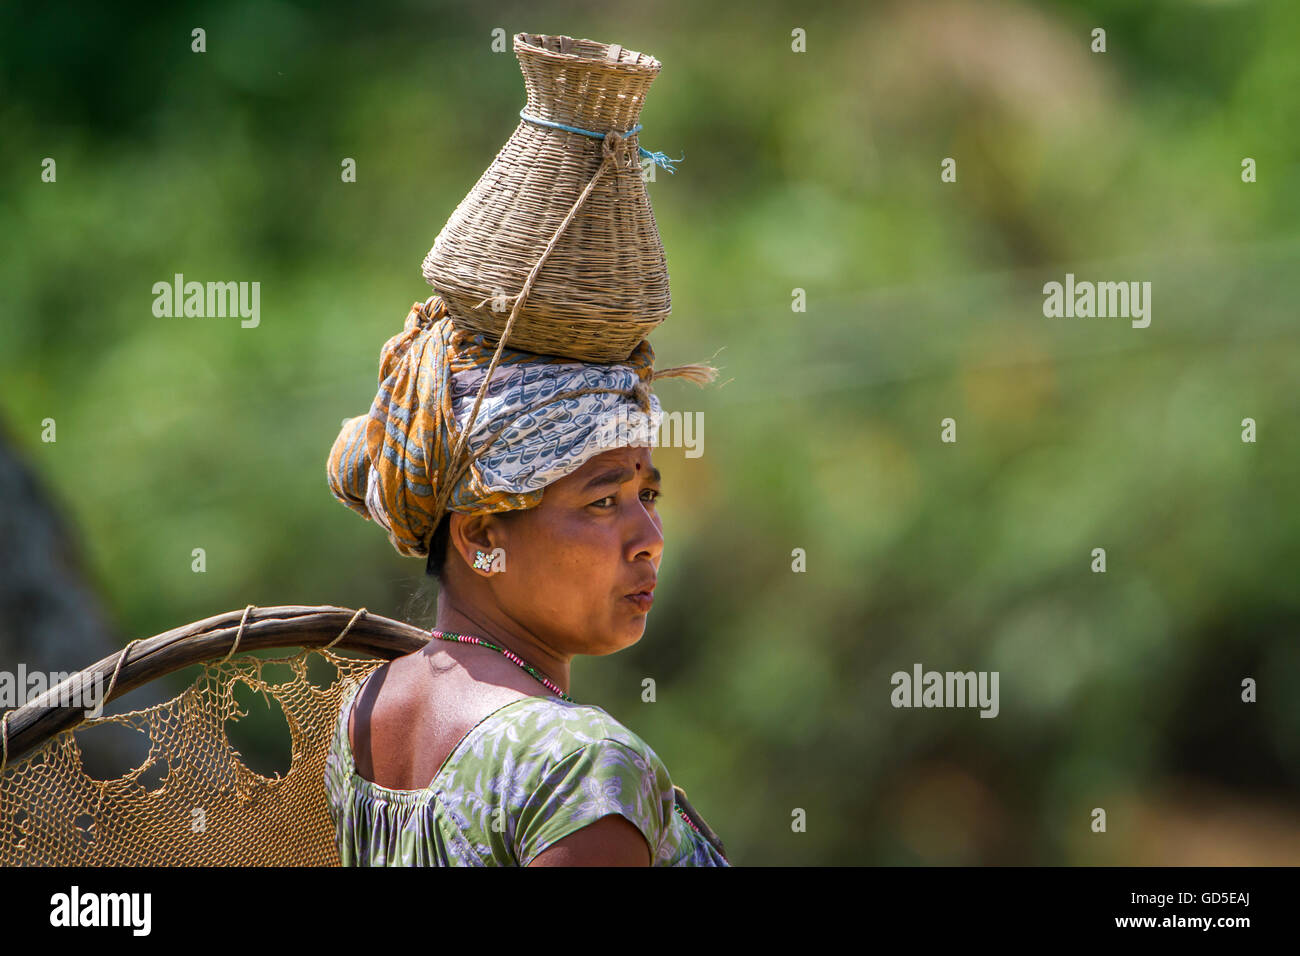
(604, 286)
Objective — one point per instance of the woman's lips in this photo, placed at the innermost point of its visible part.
(642, 600)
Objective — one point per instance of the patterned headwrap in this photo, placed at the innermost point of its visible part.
(540, 418)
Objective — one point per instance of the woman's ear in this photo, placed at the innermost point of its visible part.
(479, 540)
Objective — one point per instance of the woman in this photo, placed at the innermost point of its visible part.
(470, 751)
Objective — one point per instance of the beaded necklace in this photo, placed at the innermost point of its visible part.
(470, 639)
(550, 685)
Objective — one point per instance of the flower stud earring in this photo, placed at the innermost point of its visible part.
(483, 561)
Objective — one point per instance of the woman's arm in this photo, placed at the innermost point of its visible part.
(610, 841)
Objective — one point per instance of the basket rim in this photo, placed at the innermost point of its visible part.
(526, 44)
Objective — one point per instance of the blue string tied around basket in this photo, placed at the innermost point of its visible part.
(658, 158)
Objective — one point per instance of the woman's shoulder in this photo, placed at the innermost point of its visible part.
(547, 730)
(557, 766)
(532, 730)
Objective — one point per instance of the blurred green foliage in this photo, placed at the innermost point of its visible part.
(818, 171)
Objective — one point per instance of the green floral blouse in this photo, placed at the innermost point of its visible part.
(528, 774)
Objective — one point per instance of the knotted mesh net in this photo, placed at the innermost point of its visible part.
(206, 807)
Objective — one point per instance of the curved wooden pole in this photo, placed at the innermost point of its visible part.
(38, 720)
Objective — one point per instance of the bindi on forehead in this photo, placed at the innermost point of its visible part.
(618, 476)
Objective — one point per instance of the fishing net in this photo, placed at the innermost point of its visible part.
(193, 800)
(208, 808)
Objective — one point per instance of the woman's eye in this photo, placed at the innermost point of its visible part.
(650, 494)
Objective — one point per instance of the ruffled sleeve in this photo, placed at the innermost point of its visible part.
(602, 777)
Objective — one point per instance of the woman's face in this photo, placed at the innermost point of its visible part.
(573, 562)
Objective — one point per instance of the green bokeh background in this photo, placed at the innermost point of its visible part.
(817, 171)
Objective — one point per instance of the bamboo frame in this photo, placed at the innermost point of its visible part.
(213, 638)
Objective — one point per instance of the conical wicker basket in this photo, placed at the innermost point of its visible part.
(604, 285)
